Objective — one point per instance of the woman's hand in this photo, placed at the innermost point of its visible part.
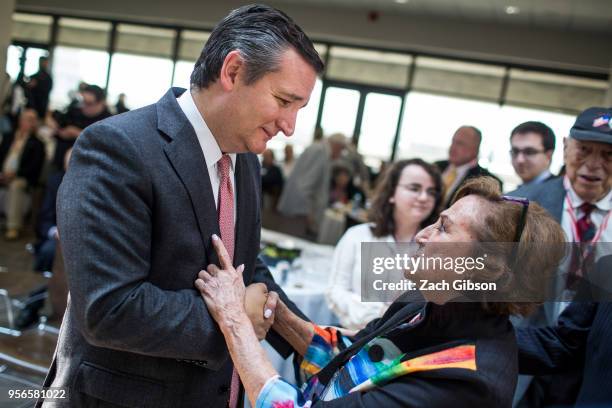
(223, 289)
(224, 293)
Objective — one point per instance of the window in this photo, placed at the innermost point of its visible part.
(430, 121)
(13, 55)
(74, 65)
(192, 43)
(380, 115)
(340, 111)
(144, 80)
(142, 66)
(182, 74)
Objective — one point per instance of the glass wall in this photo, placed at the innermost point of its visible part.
(13, 54)
(142, 66)
(73, 65)
(380, 115)
(365, 89)
(340, 111)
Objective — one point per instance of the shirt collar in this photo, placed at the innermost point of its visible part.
(539, 178)
(208, 143)
(542, 176)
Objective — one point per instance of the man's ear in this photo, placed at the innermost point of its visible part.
(565, 146)
(232, 67)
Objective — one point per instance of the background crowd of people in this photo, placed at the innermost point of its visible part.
(399, 202)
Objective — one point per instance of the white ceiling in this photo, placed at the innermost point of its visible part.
(580, 15)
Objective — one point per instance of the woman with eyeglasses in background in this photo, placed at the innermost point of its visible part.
(405, 201)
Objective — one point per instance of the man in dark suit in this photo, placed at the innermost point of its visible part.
(144, 194)
(39, 87)
(581, 202)
(462, 161)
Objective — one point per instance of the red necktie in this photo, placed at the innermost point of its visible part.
(226, 226)
(586, 231)
(585, 226)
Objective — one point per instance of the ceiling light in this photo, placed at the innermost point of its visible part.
(401, 1)
(512, 10)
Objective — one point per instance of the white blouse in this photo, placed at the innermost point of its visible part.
(344, 289)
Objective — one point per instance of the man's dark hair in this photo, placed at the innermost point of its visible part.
(96, 91)
(547, 135)
(261, 34)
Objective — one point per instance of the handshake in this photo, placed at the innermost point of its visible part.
(229, 301)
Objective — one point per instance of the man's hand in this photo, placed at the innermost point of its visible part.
(227, 300)
(260, 306)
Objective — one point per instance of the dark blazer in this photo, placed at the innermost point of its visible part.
(135, 217)
(579, 341)
(550, 195)
(476, 171)
(491, 385)
(32, 157)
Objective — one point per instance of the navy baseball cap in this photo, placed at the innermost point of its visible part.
(593, 125)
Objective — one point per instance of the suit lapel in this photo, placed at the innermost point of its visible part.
(186, 157)
(555, 199)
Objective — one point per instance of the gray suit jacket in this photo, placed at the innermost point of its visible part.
(549, 194)
(135, 214)
(306, 191)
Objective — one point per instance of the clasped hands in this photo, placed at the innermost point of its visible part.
(229, 302)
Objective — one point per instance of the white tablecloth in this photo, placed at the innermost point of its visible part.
(305, 286)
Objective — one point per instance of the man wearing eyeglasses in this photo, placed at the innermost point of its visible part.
(533, 144)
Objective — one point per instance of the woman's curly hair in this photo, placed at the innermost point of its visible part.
(521, 270)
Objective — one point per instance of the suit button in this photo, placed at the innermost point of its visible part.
(224, 389)
(376, 353)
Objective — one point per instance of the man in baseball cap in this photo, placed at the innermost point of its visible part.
(581, 201)
(588, 156)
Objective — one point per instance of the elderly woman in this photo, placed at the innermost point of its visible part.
(432, 353)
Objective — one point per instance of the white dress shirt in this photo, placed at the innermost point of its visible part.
(210, 148)
(344, 289)
(598, 215)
